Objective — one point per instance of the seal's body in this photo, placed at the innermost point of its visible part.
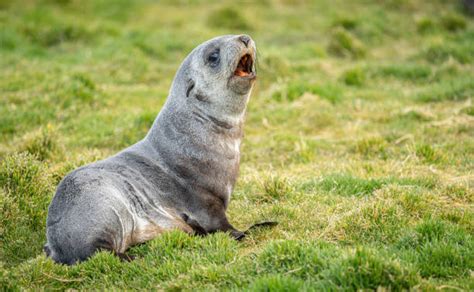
(180, 176)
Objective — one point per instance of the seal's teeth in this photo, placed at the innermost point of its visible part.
(245, 66)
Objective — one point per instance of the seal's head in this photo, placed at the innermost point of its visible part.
(218, 75)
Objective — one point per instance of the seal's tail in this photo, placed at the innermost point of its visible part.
(47, 250)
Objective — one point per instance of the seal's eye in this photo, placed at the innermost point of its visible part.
(214, 58)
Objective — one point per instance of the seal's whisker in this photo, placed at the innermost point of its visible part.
(257, 59)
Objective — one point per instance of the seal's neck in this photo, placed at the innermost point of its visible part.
(181, 122)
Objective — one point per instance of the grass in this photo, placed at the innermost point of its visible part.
(358, 140)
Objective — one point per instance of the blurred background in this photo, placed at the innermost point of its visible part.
(360, 125)
(98, 71)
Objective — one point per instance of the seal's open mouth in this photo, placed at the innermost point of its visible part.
(245, 66)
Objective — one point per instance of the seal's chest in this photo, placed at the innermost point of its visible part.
(230, 148)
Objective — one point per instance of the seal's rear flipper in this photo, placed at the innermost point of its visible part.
(262, 224)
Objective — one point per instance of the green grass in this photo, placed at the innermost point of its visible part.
(358, 140)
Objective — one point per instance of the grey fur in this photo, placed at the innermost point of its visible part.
(180, 175)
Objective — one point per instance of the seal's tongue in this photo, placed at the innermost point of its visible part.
(244, 68)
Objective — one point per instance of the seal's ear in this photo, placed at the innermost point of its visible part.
(190, 87)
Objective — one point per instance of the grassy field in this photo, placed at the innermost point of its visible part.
(358, 140)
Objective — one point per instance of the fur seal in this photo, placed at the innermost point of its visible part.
(180, 176)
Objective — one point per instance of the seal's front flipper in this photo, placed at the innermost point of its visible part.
(262, 224)
(238, 235)
(197, 229)
(124, 257)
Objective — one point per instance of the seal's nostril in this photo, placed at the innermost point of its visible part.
(245, 39)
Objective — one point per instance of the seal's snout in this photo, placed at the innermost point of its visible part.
(245, 39)
(245, 66)
(244, 72)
